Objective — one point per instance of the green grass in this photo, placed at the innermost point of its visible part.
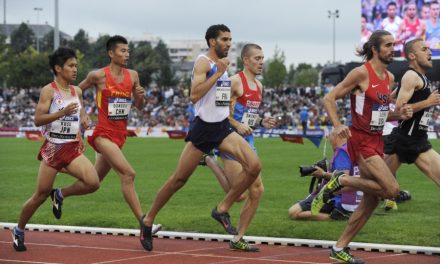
(415, 222)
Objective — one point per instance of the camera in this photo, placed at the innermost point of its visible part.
(305, 170)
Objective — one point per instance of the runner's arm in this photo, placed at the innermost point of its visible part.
(42, 115)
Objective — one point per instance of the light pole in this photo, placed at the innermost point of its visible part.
(38, 9)
(56, 33)
(335, 15)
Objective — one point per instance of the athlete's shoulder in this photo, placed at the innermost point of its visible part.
(77, 90)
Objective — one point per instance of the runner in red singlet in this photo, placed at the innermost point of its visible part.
(117, 88)
(369, 88)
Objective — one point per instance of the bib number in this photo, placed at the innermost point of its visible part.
(223, 93)
(65, 128)
(379, 117)
(425, 120)
(249, 119)
(118, 108)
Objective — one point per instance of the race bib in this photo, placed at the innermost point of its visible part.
(65, 128)
(425, 120)
(249, 119)
(223, 93)
(118, 108)
(379, 116)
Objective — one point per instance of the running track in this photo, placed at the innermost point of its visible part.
(54, 247)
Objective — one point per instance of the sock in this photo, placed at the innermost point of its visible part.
(59, 194)
(337, 248)
(19, 231)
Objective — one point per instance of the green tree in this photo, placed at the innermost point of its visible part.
(30, 69)
(5, 60)
(276, 72)
(46, 42)
(240, 66)
(306, 77)
(144, 61)
(291, 74)
(22, 38)
(164, 77)
(98, 51)
(80, 42)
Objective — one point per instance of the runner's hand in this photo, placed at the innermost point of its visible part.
(406, 112)
(85, 121)
(269, 122)
(244, 130)
(343, 131)
(71, 109)
(139, 91)
(222, 65)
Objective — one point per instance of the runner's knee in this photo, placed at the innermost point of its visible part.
(256, 191)
(254, 168)
(128, 176)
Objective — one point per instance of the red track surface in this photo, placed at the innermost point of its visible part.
(48, 247)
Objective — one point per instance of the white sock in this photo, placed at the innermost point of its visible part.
(337, 248)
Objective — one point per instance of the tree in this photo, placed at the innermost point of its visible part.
(22, 38)
(276, 72)
(145, 62)
(5, 59)
(30, 69)
(46, 43)
(80, 42)
(305, 77)
(291, 74)
(98, 50)
(164, 76)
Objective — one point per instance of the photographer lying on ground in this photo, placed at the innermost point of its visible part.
(341, 205)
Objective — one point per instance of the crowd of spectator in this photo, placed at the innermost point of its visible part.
(404, 19)
(169, 107)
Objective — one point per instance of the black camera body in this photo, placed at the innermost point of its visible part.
(305, 170)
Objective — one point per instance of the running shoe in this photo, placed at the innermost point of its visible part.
(242, 245)
(156, 228)
(224, 220)
(344, 256)
(326, 192)
(18, 241)
(57, 203)
(146, 236)
(389, 204)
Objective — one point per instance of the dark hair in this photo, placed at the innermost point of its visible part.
(408, 48)
(365, 16)
(115, 40)
(373, 42)
(246, 48)
(391, 4)
(60, 56)
(213, 31)
(433, 3)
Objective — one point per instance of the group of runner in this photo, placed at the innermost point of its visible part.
(226, 112)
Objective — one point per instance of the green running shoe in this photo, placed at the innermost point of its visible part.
(242, 245)
(344, 256)
(326, 192)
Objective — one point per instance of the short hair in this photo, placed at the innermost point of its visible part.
(373, 42)
(391, 4)
(213, 31)
(60, 56)
(115, 40)
(409, 46)
(433, 3)
(247, 48)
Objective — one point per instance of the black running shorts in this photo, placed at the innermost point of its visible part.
(207, 136)
(408, 148)
(389, 141)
